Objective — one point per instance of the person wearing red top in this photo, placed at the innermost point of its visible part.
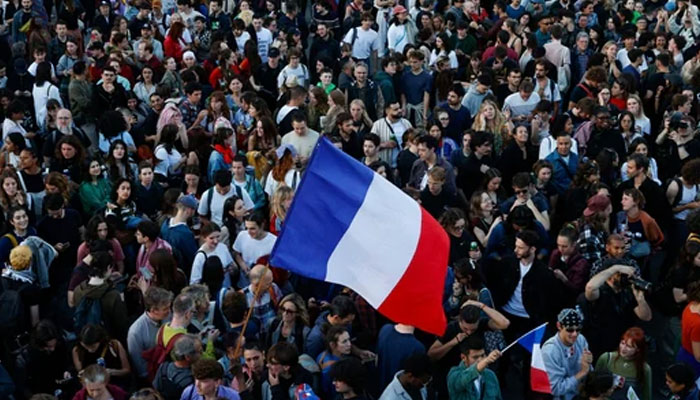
(227, 68)
(174, 45)
(95, 380)
(689, 351)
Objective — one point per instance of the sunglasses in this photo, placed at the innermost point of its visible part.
(522, 191)
(573, 329)
(287, 310)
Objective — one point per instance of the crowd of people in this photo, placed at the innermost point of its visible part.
(152, 150)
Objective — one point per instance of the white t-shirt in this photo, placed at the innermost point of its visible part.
(301, 72)
(167, 163)
(518, 106)
(217, 203)
(264, 43)
(240, 41)
(398, 37)
(41, 95)
(515, 304)
(548, 93)
(271, 184)
(220, 251)
(366, 42)
(625, 60)
(251, 249)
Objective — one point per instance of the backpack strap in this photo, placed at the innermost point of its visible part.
(239, 191)
(587, 90)
(210, 195)
(12, 239)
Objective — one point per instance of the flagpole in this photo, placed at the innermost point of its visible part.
(516, 340)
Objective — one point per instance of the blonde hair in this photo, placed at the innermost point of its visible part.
(277, 204)
(20, 258)
(641, 106)
(199, 294)
(365, 117)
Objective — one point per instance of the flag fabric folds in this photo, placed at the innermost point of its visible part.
(350, 226)
(531, 341)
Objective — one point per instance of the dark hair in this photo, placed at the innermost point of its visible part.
(91, 228)
(284, 353)
(351, 372)
(470, 314)
(683, 374)
(116, 187)
(149, 229)
(596, 384)
(342, 306)
(372, 137)
(480, 138)
(429, 141)
(472, 342)
(235, 306)
(207, 368)
(213, 275)
(165, 269)
(640, 160)
(192, 87)
(168, 135)
(417, 364)
(222, 177)
(54, 202)
(43, 73)
(529, 237)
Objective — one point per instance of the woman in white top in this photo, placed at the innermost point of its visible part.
(641, 122)
(211, 248)
(284, 171)
(44, 90)
(145, 87)
(443, 48)
(169, 160)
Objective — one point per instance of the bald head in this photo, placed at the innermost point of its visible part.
(64, 118)
(261, 274)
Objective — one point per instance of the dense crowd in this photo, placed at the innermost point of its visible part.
(152, 149)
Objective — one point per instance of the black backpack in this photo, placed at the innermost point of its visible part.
(13, 316)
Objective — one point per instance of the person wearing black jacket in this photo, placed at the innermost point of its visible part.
(520, 286)
(324, 46)
(109, 95)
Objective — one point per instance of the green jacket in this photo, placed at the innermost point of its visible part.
(386, 84)
(460, 384)
(95, 197)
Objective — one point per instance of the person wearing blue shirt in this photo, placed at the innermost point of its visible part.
(208, 382)
(565, 163)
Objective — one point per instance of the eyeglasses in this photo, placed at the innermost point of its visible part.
(287, 310)
(460, 227)
(573, 329)
(444, 119)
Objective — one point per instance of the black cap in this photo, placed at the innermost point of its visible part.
(147, 25)
(274, 52)
(105, 3)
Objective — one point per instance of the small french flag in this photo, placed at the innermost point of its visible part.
(539, 381)
(350, 226)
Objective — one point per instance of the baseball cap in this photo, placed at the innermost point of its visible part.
(284, 148)
(105, 3)
(274, 52)
(146, 25)
(597, 203)
(188, 201)
(399, 9)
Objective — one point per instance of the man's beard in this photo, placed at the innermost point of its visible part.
(66, 130)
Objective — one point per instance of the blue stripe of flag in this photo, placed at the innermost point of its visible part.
(325, 203)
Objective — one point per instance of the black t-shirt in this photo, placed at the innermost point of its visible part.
(452, 357)
(435, 205)
(579, 92)
(609, 317)
(502, 92)
(33, 183)
(266, 77)
(404, 163)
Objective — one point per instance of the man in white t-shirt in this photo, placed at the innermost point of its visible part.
(294, 69)
(253, 243)
(364, 41)
(301, 137)
(264, 37)
(211, 206)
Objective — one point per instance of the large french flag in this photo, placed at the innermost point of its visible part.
(539, 381)
(350, 226)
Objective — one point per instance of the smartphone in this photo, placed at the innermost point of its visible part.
(146, 273)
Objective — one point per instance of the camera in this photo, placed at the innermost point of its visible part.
(639, 283)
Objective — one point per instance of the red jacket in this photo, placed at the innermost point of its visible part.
(173, 48)
(116, 392)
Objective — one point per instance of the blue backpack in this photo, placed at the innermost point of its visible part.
(89, 311)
